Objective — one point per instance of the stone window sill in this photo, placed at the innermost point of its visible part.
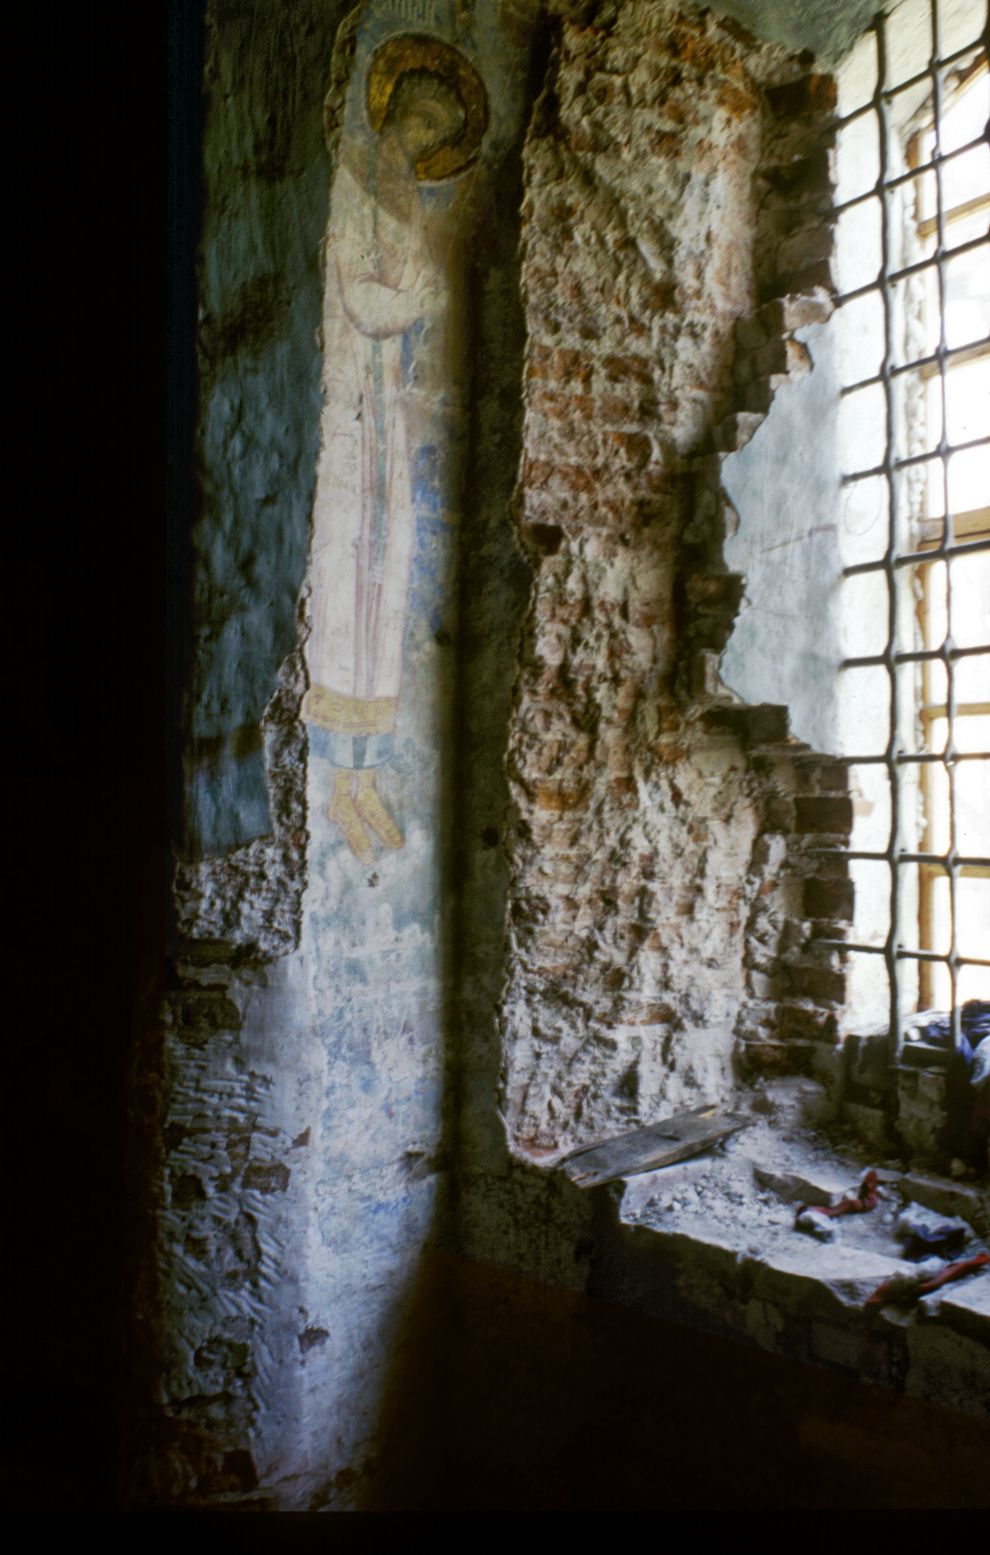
(712, 1242)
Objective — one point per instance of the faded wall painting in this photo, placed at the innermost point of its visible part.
(418, 276)
(413, 140)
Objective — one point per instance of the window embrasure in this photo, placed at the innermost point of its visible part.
(913, 273)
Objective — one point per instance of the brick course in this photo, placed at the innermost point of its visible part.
(673, 240)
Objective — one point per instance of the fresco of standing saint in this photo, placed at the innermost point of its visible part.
(385, 292)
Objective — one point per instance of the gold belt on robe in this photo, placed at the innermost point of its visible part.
(349, 715)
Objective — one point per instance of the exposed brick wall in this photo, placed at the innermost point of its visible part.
(203, 1323)
(661, 835)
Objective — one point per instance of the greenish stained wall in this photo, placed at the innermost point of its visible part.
(266, 185)
(828, 27)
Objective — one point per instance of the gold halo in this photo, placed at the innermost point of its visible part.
(418, 51)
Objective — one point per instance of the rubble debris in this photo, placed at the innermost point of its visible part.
(725, 1221)
(923, 1230)
(817, 1224)
(799, 1188)
(970, 1203)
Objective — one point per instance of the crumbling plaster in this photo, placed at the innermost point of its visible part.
(677, 190)
(618, 916)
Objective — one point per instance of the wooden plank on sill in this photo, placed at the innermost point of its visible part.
(658, 1144)
(707, 1109)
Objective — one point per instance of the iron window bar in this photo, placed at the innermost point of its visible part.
(905, 463)
(895, 759)
(953, 355)
(967, 49)
(905, 178)
(903, 954)
(941, 256)
(881, 856)
(947, 960)
(922, 757)
(918, 558)
(943, 655)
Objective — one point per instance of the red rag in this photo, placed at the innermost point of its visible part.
(954, 1271)
(868, 1198)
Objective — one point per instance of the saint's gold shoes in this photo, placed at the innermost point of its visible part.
(343, 813)
(368, 804)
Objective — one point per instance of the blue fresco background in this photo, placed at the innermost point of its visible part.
(260, 298)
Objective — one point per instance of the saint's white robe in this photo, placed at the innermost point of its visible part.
(380, 281)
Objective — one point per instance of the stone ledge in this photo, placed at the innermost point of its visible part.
(711, 1242)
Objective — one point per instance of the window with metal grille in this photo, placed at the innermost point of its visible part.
(913, 328)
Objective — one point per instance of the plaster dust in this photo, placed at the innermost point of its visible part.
(750, 1190)
(722, 1244)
